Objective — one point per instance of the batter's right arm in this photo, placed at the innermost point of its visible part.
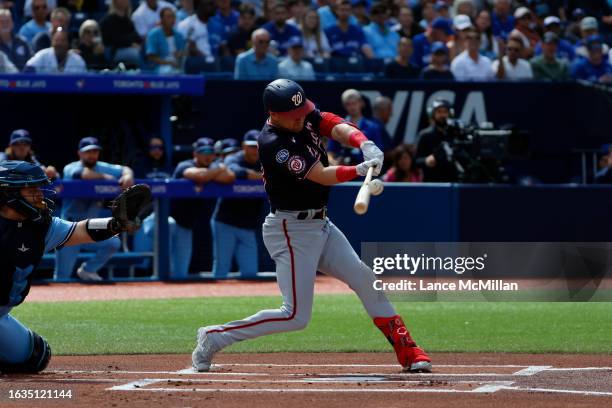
(329, 176)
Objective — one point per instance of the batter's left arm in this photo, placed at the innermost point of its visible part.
(349, 135)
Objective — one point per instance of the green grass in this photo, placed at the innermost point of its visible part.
(339, 324)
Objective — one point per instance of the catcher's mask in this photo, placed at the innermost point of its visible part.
(37, 205)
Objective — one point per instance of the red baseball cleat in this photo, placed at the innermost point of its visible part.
(411, 357)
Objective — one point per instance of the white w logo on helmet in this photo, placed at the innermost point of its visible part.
(297, 99)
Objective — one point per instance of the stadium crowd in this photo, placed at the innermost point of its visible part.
(464, 40)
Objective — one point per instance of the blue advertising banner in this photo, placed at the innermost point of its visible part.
(103, 84)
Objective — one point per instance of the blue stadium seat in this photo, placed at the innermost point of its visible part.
(320, 65)
(343, 65)
(226, 63)
(197, 65)
(375, 66)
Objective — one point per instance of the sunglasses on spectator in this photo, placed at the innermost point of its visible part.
(156, 147)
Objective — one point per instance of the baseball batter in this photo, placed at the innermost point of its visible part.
(297, 233)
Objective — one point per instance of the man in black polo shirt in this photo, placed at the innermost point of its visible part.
(297, 233)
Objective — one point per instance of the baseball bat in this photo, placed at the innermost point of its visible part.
(363, 196)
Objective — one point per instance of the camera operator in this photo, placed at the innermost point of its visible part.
(434, 151)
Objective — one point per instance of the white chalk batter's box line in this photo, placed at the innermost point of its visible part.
(143, 385)
(488, 386)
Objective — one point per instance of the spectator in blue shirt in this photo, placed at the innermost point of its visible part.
(346, 39)
(165, 46)
(235, 220)
(16, 49)
(353, 104)
(226, 16)
(502, 18)
(596, 67)
(440, 30)
(379, 35)
(60, 17)
(328, 15)
(258, 62)
(76, 209)
(588, 27)
(565, 50)
(294, 67)
(281, 32)
(38, 23)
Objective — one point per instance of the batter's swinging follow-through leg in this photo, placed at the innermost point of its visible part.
(299, 236)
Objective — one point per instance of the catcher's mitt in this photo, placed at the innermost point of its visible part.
(129, 207)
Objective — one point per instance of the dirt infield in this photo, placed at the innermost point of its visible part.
(62, 292)
(321, 379)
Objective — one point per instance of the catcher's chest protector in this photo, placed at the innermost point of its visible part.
(22, 245)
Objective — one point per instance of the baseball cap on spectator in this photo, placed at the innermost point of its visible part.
(550, 37)
(551, 20)
(588, 23)
(522, 12)
(250, 137)
(295, 42)
(89, 143)
(226, 146)
(462, 22)
(578, 14)
(444, 24)
(439, 47)
(594, 42)
(440, 4)
(204, 145)
(20, 136)
(356, 3)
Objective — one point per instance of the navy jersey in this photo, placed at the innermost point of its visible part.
(22, 245)
(287, 158)
(186, 211)
(239, 212)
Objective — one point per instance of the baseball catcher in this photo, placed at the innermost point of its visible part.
(27, 231)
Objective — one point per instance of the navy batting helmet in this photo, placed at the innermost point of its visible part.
(286, 97)
(15, 175)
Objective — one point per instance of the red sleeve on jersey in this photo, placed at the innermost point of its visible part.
(346, 173)
(356, 138)
(328, 121)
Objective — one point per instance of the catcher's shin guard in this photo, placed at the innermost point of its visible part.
(38, 360)
(411, 357)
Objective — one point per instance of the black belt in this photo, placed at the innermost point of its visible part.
(302, 215)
